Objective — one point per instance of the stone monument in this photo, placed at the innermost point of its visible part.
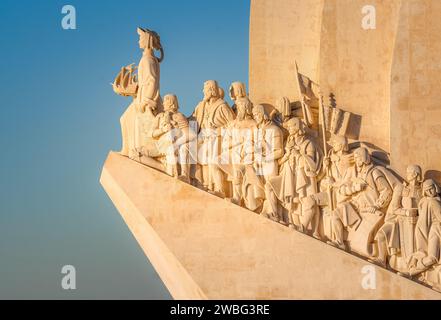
(314, 184)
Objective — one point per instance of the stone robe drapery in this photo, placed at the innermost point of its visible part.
(269, 148)
(211, 119)
(428, 229)
(136, 127)
(307, 164)
(297, 177)
(377, 193)
(399, 222)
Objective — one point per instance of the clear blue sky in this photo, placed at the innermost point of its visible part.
(59, 118)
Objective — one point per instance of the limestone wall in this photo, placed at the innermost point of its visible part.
(389, 76)
(415, 108)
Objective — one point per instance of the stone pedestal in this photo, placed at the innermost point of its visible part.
(204, 247)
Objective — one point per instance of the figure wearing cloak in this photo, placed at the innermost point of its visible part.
(246, 185)
(136, 122)
(371, 194)
(428, 230)
(296, 183)
(396, 237)
(338, 170)
(212, 115)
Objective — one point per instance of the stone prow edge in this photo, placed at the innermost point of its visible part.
(174, 276)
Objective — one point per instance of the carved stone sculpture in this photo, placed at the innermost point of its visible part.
(395, 239)
(247, 187)
(296, 185)
(269, 162)
(371, 193)
(269, 143)
(428, 230)
(282, 112)
(173, 135)
(212, 115)
(237, 91)
(135, 123)
(338, 171)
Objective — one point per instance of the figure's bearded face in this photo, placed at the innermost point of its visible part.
(241, 111)
(209, 92)
(258, 117)
(358, 161)
(169, 106)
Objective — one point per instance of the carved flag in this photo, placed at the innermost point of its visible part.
(308, 93)
(336, 120)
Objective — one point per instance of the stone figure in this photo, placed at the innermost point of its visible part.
(173, 135)
(428, 230)
(212, 115)
(268, 150)
(338, 170)
(268, 143)
(221, 93)
(282, 111)
(247, 187)
(148, 98)
(136, 123)
(296, 185)
(237, 91)
(371, 193)
(308, 160)
(395, 239)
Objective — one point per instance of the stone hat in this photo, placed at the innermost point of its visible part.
(428, 184)
(154, 40)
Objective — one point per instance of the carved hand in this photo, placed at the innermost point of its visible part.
(326, 162)
(166, 127)
(283, 160)
(372, 209)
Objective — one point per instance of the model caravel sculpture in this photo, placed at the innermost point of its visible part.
(269, 160)
(126, 82)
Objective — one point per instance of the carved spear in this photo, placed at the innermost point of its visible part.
(325, 149)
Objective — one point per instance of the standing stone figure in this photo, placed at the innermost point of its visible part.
(136, 122)
(237, 91)
(268, 149)
(296, 184)
(308, 160)
(268, 144)
(428, 230)
(396, 237)
(282, 188)
(246, 185)
(338, 170)
(212, 116)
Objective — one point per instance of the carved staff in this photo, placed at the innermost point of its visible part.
(325, 149)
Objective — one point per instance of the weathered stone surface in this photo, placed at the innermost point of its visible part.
(205, 247)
